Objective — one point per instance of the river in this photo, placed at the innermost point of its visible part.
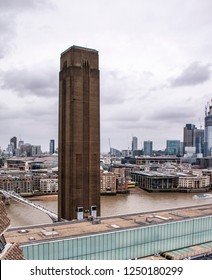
(137, 201)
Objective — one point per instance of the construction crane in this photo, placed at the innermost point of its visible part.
(111, 159)
(109, 145)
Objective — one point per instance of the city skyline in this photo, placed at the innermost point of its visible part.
(192, 137)
(155, 67)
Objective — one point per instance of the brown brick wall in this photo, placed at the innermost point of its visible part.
(79, 132)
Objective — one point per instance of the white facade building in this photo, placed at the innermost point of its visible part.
(49, 185)
(194, 182)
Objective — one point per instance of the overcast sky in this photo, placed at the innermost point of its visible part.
(155, 62)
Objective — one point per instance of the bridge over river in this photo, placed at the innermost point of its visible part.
(17, 197)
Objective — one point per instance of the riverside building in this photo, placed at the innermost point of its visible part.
(107, 183)
(171, 182)
(194, 183)
(155, 181)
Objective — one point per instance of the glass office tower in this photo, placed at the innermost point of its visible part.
(208, 133)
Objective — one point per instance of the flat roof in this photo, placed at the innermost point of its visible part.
(63, 230)
(154, 174)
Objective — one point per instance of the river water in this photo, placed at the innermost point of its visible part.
(137, 201)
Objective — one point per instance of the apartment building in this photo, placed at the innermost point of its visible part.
(49, 185)
(194, 182)
(107, 183)
(17, 183)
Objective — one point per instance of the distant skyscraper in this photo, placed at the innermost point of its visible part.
(188, 135)
(79, 134)
(173, 147)
(134, 143)
(199, 140)
(13, 142)
(208, 132)
(51, 147)
(36, 150)
(115, 152)
(26, 149)
(10, 149)
(148, 145)
(20, 143)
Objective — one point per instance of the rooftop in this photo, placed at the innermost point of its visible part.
(62, 230)
(4, 220)
(155, 174)
(80, 48)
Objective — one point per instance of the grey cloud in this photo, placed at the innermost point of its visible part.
(138, 125)
(118, 87)
(121, 115)
(112, 89)
(7, 33)
(39, 82)
(21, 5)
(194, 74)
(173, 114)
(3, 106)
(128, 117)
(7, 114)
(112, 96)
(46, 112)
(9, 12)
(40, 115)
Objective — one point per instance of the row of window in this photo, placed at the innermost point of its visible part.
(126, 244)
